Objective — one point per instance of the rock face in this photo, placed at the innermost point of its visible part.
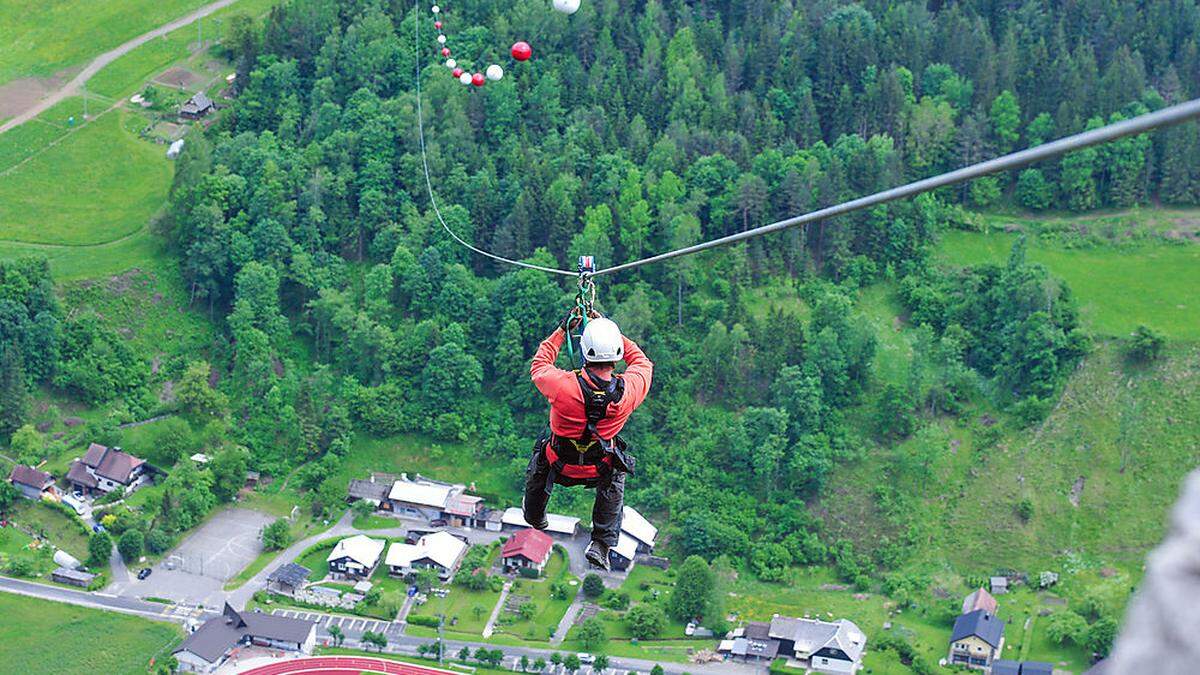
(1160, 627)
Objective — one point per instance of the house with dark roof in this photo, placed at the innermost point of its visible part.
(980, 599)
(821, 646)
(1007, 667)
(32, 483)
(103, 469)
(976, 640)
(751, 643)
(197, 106)
(211, 644)
(373, 490)
(527, 548)
(287, 579)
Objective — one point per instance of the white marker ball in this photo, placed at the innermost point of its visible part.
(567, 6)
(435, 9)
(451, 64)
(465, 78)
(441, 39)
(494, 73)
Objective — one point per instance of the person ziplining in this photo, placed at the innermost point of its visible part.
(588, 409)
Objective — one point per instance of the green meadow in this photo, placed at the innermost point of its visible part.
(1151, 281)
(43, 37)
(39, 636)
(97, 185)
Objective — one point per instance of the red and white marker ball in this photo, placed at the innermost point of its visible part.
(457, 73)
(521, 51)
(437, 25)
(445, 51)
(478, 79)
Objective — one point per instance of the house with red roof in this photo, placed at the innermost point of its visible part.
(527, 548)
(103, 469)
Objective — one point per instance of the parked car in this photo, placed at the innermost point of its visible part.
(74, 504)
(97, 528)
(143, 573)
(585, 658)
(438, 522)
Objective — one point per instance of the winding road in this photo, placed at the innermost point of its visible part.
(71, 88)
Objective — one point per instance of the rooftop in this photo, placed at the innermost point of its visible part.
(360, 548)
(442, 548)
(529, 543)
(980, 624)
(637, 526)
(290, 574)
(218, 635)
(27, 475)
(559, 524)
(422, 492)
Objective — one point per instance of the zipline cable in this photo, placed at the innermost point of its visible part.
(1175, 114)
(425, 164)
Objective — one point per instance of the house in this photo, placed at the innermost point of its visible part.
(999, 585)
(494, 521)
(32, 483)
(434, 500)
(822, 646)
(440, 551)
(977, 639)
(513, 519)
(527, 548)
(753, 643)
(210, 645)
(287, 579)
(980, 599)
(64, 575)
(355, 557)
(636, 526)
(372, 491)
(621, 556)
(197, 106)
(1006, 667)
(105, 469)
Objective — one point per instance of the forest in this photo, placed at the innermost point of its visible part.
(302, 226)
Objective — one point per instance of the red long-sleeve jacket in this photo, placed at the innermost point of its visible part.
(568, 416)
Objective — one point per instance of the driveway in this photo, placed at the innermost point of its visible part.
(195, 572)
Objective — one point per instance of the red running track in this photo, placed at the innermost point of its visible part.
(342, 665)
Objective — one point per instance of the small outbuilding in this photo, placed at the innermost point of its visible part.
(287, 579)
(197, 106)
(64, 575)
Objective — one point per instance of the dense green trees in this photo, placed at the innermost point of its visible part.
(302, 222)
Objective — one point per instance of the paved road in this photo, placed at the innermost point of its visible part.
(113, 603)
(71, 88)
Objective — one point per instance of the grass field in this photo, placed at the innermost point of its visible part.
(127, 643)
(549, 611)
(109, 184)
(444, 461)
(58, 527)
(1153, 282)
(43, 38)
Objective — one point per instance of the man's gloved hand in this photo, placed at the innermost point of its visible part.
(569, 322)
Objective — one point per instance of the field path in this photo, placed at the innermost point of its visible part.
(72, 87)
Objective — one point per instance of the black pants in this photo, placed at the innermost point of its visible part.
(606, 512)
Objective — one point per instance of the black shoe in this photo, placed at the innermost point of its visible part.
(541, 525)
(597, 555)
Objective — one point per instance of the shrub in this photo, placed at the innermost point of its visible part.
(529, 572)
(593, 585)
(131, 545)
(1145, 344)
(592, 633)
(1025, 509)
(426, 621)
(646, 621)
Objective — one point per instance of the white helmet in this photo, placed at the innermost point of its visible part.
(602, 341)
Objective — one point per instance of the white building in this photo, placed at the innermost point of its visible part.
(636, 526)
(441, 551)
(356, 557)
(433, 500)
(514, 519)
